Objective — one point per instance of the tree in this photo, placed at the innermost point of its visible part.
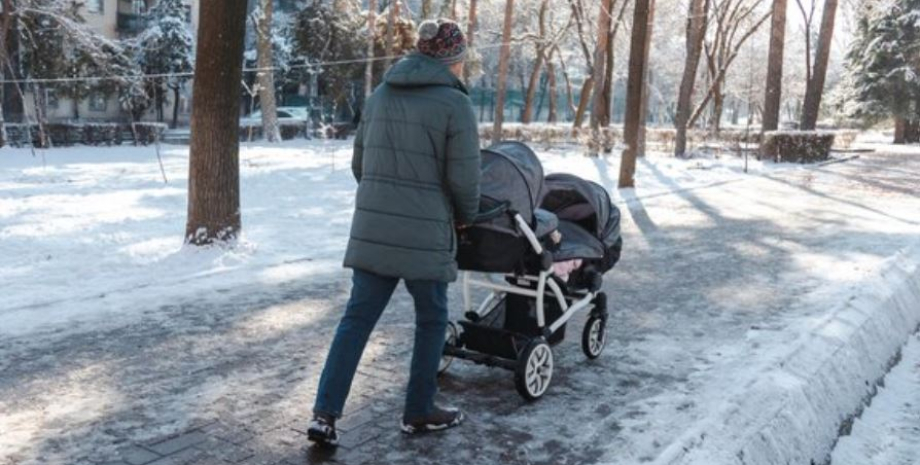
(815, 87)
(882, 68)
(262, 19)
(604, 19)
(734, 22)
(214, 176)
(503, 72)
(371, 29)
(774, 87)
(324, 33)
(166, 49)
(696, 32)
(634, 84)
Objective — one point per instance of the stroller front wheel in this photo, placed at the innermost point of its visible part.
(594, 336)
(535, 370)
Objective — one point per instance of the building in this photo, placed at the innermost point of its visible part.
(115, 19)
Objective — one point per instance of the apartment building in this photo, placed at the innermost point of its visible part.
(116, 19)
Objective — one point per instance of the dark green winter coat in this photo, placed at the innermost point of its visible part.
(416, 159)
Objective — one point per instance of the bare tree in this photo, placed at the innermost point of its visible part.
(598, 75)
(392, 14)
(735, 22)
(634, 84)
(503, 72)
(696, 32)
(815, 87)
(265, 75)
(426, 9)
(721, 49)
(647, 84)
(371, 28)
(214, 171)
(470, 35)
(774, 86)
(544, 42)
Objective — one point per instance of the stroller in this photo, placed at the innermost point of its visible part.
(551, 240)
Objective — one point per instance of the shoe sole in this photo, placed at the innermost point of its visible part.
(322, 439)
(410, 429)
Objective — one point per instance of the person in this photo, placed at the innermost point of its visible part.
(417, 163)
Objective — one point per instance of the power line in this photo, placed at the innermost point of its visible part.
(126, 77)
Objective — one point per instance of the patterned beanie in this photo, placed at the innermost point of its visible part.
(442, 40)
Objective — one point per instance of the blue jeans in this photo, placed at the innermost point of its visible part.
(370, 294)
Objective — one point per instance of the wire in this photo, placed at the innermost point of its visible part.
(192, 73)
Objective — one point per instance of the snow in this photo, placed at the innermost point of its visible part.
(888, 431)
(744, 304)
(106, 214)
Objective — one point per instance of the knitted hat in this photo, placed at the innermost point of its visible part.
(442, 40)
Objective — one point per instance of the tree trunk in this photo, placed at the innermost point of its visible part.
(634, 84)
(470, 35)
(426, 9)
(583, 98)
(815, 88)
(553, 92)
(647, 79)
(392, 12)
(718, 106)
(900, 130)
(214, 171)
(503, 56)
(774, 86)
(569, 93)
(604, 19)
(372, 28)
(175, 115)
(534, 81)
(696, 31)
(265, 75)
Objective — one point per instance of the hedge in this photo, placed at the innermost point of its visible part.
(69, 134)
(797, 146)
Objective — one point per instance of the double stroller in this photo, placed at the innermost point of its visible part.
(546, 242)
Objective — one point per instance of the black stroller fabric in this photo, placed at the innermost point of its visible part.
(588, 220)
(512, 182)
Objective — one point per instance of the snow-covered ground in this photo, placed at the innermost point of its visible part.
(79, 224)
(111, 331)
(888, 431)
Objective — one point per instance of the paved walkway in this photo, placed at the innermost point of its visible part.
(228, 377)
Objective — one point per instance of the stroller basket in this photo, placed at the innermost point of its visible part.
(508, 326)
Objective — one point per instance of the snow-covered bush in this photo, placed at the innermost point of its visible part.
(796, 146)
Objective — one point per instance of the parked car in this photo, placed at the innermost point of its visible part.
(286, 115)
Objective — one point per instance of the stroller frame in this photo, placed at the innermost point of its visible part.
(533, 365)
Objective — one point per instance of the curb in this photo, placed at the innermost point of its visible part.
(794, 408)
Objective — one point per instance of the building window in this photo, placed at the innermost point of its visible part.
(98, 102)
(51, 99)
(95, 6)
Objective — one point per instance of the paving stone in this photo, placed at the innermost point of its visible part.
(356, 419)
(178, 443)
(225, 451)
(359, 436)
(136, 455)
(189, 456)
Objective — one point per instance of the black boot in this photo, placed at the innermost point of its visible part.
(438, 419)
(322, 430)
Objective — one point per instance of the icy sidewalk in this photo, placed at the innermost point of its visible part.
(888, 431)
(722, 273)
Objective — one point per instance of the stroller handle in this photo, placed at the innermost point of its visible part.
(499, 210)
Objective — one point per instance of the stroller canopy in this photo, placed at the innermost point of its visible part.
(587, 204)
(511, 173)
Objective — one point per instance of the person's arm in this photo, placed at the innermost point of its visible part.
(357, 158)
(463, 164)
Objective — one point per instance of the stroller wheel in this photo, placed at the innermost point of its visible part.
(535, 370)
(594, 336)
(449, 340)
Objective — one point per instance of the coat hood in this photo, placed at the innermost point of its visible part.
(417, 70)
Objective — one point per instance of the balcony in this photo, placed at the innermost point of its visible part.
(130, 23)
